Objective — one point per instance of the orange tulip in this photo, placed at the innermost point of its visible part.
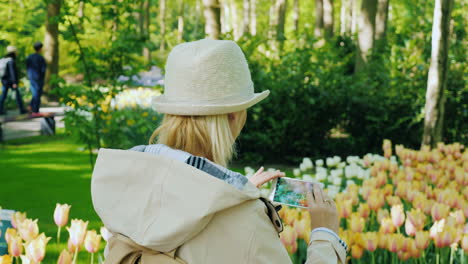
(65, 257)
(439, 211)
(422, 240)
(356, 223)
(289, 239)
(398, 215)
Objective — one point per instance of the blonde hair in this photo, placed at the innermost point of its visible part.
(206, 136)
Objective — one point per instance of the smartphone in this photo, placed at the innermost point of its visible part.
(292, 192)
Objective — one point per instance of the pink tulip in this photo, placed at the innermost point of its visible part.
(398, 215)
(65, 257)
(61, 214)
(409, 228)
(36, 248)
(17, 218)
(15, 246)
(92, 241)
(289, 239)
(28, 229)
(77, 232)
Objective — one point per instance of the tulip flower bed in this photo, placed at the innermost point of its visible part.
(408, 208)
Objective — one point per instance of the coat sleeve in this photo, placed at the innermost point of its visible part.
(324, 248)
(13, 74)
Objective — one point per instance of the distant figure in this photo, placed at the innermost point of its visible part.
(36, 66)
(9, 75)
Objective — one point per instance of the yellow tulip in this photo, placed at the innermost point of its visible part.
(417, 218)
(370, 241)
(363, 210)
(36, 248)
(356, 223)
(398, 215)
(464, 242)
(382, 240)
(65, 257)
(17, 218)
(289, 239)
(289, 215)
(303, 229)
(10, 232)
(344, 208)
(387, 148)
(446, 237)
(422, 240)
(381, 214)
(439, 211)
(61, 214)
(376, 200)
(393, 200)
(5, 259)
(15, 246)
(395, 242)
(92, 241)
(77, 232)
(28, 229)
(386, 226)
(356, 251)
(459, 217)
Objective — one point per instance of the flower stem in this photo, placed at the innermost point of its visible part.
(75, 255)
(451, 255)
(437, 256)
(92, 258)
(462, 256)
(58, 234)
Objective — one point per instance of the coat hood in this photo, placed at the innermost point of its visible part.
(158, 202)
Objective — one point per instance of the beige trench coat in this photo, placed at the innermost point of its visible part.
(157, 204)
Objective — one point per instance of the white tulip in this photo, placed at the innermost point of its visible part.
(319, 163)
(297, 172)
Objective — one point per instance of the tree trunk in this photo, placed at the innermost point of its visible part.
(212, 14)
(296, 16)
(366, 32)
(318, 31)
(282, 5)
(245, 17)
(381, 23)
(354, 16)
(253, 17)
(328, 18)
(51, 43)
(146, 31)
(437, 80)
(180, 22)
(349, 16)
(162, 23)
(343, 21)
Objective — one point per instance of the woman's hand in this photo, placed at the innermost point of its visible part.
(322, 210)
(261, 176)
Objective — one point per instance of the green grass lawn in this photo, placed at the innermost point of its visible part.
(38, 172)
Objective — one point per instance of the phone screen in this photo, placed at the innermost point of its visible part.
(291, 192)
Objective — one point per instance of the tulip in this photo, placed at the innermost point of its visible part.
(65, 257)
(10, 232)
(289, 215)
(105, 233)
(370, 241)
(393, 200)
(422, 240)
(344, 208)
(28, 229)
(436, 228)
(73, 248)
(356, 251)
(376, 200)
(26, 260)
(17, 218)
(409, 228)
(363, 210)
(417, 218)
(439, 211)
(387, 148)
(386, 226)
(92, 241)
(381, 214)
(61, 217)
(36, 248)
(395, 242)
(356, 223)
(398, 215)
(446, 237)
(302, 228)
(5, 259)
(464, 242)
(382, 240)
(289, 239)
(77, 231)
(459, 217)
(15, 247)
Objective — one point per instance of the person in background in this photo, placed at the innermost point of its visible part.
(36, 67)
(10, 80)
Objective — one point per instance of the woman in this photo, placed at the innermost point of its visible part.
(10, 80)
(174, 201)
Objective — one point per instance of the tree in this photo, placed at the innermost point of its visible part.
(381, 22)
(277, 22)
(253, 17)
(246, 17)
(366, 32)
(437, 79)
(180, 22)
(328, 18)
(144, 21)
(162, 23)
(318, 31)
(212, 14)
(51, 42)
(296, 16)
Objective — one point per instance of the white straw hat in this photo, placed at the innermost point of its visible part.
(11, 49)
(207, 77)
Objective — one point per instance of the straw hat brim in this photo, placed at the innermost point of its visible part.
(222, 106)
